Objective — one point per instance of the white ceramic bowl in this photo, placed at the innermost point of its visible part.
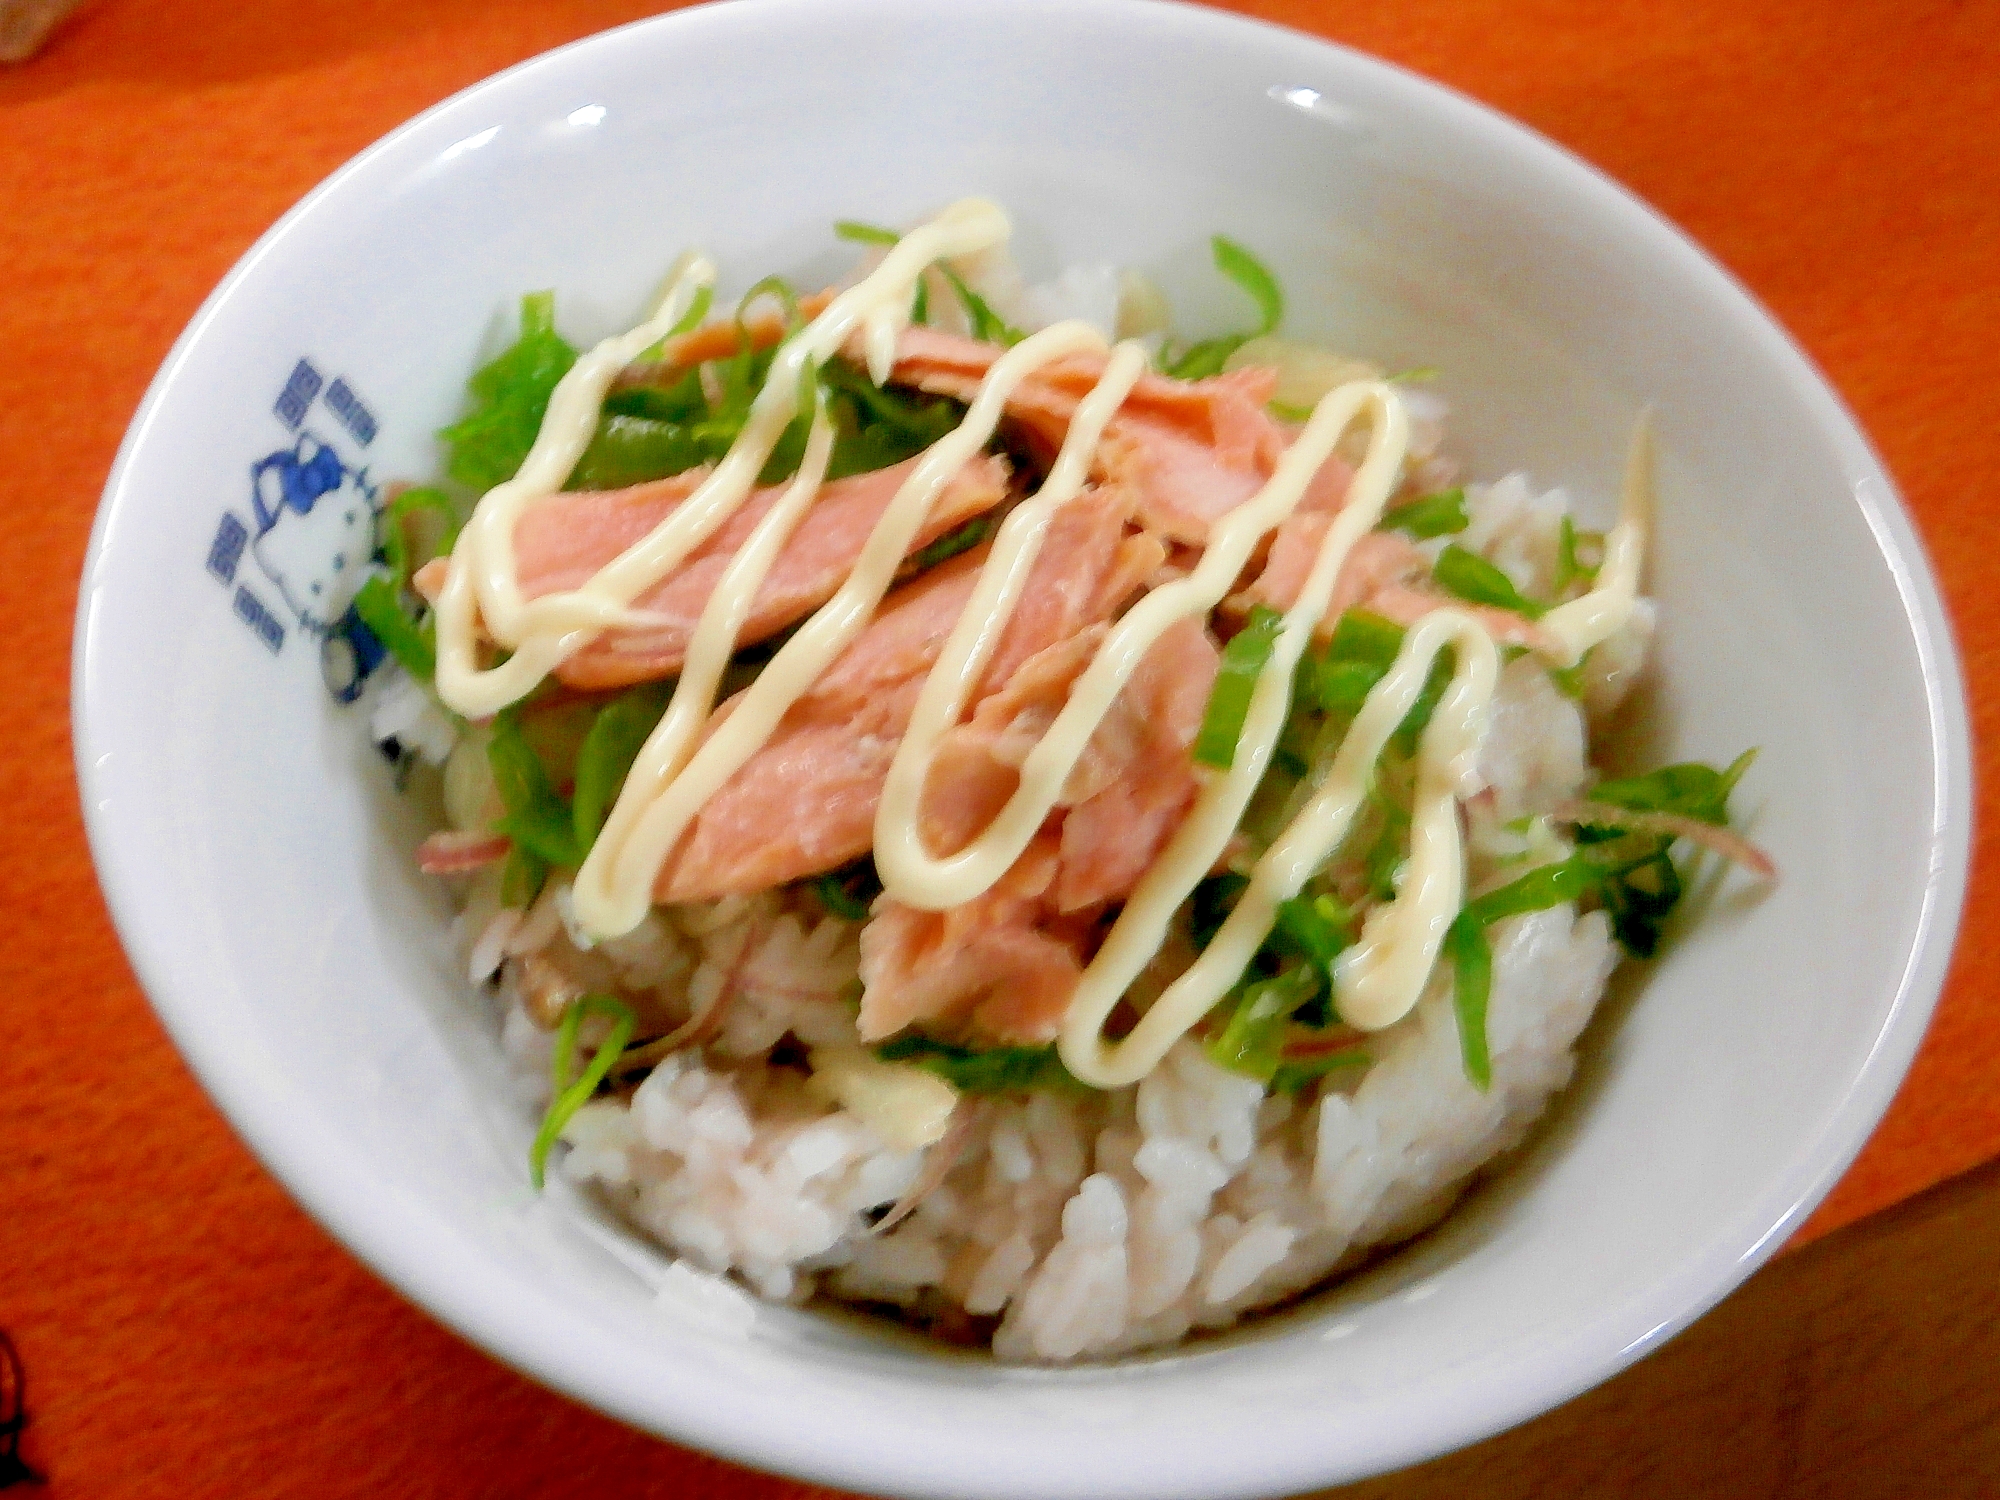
(257, 860)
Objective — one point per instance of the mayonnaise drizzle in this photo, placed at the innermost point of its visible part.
(677, 771)
(544, 633)
(614, 888)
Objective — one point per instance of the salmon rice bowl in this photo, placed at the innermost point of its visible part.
(968, 805)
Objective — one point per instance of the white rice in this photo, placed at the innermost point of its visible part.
(1081, 1225)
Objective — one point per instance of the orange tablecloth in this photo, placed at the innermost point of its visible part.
(187, 1330)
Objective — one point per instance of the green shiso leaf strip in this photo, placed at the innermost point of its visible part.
(396, 549)
(1294, 1074)
(1569, 680)
(1252, 1041)
(609, 748)
(510, 397)
(1314, 928)
(961, 538)
(1472, 958)
(1569, 567)
(572, 1095)
(1442, 514)
(864, 234)
(848, 891)
(787, 298)
(382, 612)
(987, 325)
(537, 819)
(877, 428)
(1691, 790)
(1471, 577)
(1243, 661)
(1201, 360)
(1640, 884)
(522, 877)
(1248, 272)
(982, 1070)
(627, 450)
(1472, 979)
(698, 306)
(1362, 650)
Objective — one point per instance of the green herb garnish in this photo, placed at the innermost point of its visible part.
(376, 603)
(848, 891)
(1442, 514)
(510, 397)
(395, 538)
(571, 1096)
(1252, 1041)
(1314, 928)
(1294, 1074)
(1200, 360)
(1632, 875)
(981, 1070)
(961, 538)
(1473, 578)
(610, 747)
(1568, 568)
(1690, 789)
(1243, 662)
(864, 234)
(537, 818)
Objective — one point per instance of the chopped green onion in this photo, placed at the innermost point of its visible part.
(987, 325)
(1384, 859)
(1243, 662)
(864, 234)
(375, 602)
(982, 1070)
(1569, 680)
(687, 322)
(961, 538)
(1473, 578)
(788, 303)
(1286, 411)
(1201, 360)
(1472, 958)
(848, 891)
(522, 877)
(510, 396)
(571, 1096)
(1362, 650)
(1472, 977)
(1248, 272)
(1252, 1041)
(396, 541)
(1315, 929)
(1691, 790)
(1417, 376)
(1568, 566)
(1441, 514)
(536, 818)
(920, 304)
(610, 747)
(1295, 1073)
(628, 450)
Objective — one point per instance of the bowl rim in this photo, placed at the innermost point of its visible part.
(455, 1289)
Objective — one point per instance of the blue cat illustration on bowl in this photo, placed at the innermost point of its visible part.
(314, 531)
